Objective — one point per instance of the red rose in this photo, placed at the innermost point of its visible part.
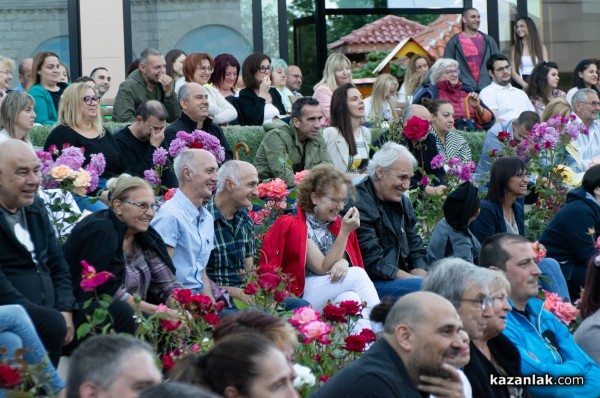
(333, 313)
(351, 307)
(169, 326)
(211, 319)
(251, 289)
(512, 143)
(416, 128)
(167, 362)
(196, 145)
(493, 153)
(503, 136)
(9, 377)
(182, 296)
(218, 306)
(279, 296)
(203, 302)
(269, 282)
(368, 335)
(323, 378)
(355, 342)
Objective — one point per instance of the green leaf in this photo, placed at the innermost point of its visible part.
(83, 330)
(239, 303)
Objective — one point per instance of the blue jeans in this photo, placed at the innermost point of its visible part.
(17, 331)
(84, 202)
(397, 288)
(553, 279)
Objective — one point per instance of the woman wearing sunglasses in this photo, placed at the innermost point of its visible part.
(80, 125)
(121, 241)
(259, 103)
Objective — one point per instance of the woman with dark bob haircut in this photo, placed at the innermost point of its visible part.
(259, 102)
(225, 75)
(240, 365)
(501, 212)
(567, 237)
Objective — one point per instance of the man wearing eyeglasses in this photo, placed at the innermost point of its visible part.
(149, 82)
(193, 100)
(294, 80)
(586, 106)
(504, 100)
(545, 344)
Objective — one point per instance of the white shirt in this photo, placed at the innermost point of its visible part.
(508, 101)
(588, 146)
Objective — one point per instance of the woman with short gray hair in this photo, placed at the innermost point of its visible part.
(279, 79)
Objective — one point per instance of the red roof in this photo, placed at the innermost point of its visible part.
(387, 30)
(434, 38)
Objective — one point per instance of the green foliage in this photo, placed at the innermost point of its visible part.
(373, 60)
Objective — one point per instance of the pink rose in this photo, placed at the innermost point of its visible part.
(303, 315)
(299, 176)
(315, 331)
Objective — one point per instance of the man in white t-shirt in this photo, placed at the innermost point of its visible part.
(507, 102)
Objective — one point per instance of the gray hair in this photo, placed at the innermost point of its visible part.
(176, 389)
(279, 64)
(387, 155)
(185, 159)
(451, 277)
(100, 359)
(184, 92)
(438, 67)
(581, 96)
(147, 53)
(229, 170)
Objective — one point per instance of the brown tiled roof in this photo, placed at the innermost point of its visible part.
(389, 29)
(434, 38)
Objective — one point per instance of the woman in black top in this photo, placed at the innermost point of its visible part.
(259, 103)
(80, 124)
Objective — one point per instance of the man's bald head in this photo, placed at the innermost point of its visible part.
(416, 110)
(19, 174)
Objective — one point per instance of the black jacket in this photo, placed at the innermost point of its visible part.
(184, 123)
(98, 239)
(566, 237)
(387, 236)
(22, 282)
(479, 368)
(253, 107)
(137, 156)
(378, 373)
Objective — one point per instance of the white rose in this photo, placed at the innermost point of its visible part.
(304, 377)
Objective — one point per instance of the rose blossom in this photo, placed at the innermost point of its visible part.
(61, 172)
(82, 179)
(315, 331)
(303, 315)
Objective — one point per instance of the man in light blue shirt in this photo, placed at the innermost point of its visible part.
(185, 226)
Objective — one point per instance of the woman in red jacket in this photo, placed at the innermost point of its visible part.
(319, 249)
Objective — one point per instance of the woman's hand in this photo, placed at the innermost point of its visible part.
(475, 102)
(351, 220)
(338, 271)
(265, 85)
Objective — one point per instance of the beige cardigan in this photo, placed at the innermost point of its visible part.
(338, 148)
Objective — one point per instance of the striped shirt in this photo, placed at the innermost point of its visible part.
(456, 146)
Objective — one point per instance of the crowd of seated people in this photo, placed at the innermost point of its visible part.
(352, 234)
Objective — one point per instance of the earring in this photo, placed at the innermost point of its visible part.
(316, 210)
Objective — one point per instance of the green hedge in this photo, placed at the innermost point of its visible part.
(251, 135)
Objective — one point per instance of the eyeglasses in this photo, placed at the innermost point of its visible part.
(89, 100)
(338, 201)
(503, 68)
(6, 72)
(486, 302)
(265, 69)
(452, 72)
(205, 69)
(521, 174)
(143, 206)
(592, 103)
